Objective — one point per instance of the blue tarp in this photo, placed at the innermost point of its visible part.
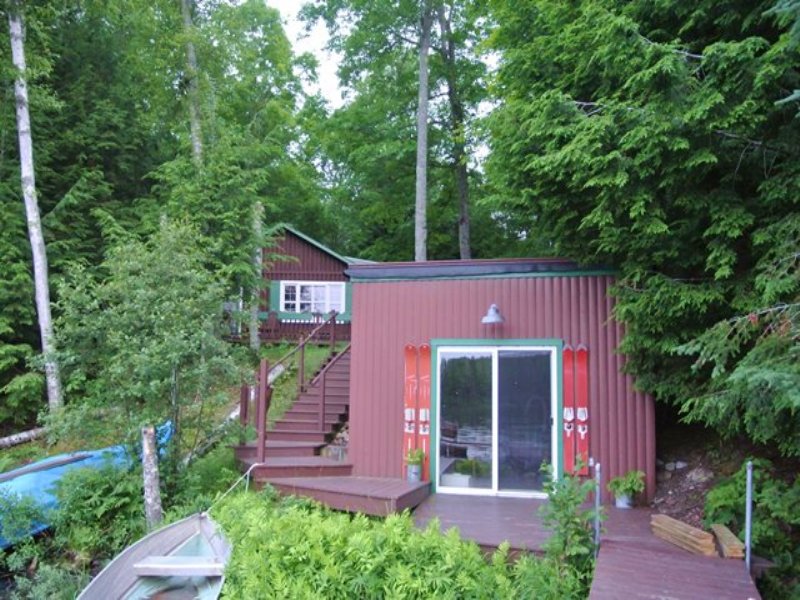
(38, 480)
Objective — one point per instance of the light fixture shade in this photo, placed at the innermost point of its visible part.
(493, 316)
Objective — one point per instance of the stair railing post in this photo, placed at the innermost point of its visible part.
(748, 516)
(261, 410)
(333, 332)
(301, 367)
(321, 416)
(244, 405)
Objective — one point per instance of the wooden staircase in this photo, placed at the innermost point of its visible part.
(293, 445)
(291, 460)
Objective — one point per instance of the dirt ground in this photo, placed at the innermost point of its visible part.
(691, 460)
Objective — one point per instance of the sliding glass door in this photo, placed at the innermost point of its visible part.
(495, 427)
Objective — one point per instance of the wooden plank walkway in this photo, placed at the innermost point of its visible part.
(632, 562)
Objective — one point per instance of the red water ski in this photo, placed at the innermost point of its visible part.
(409, 401)
(568, 436)
(425, 408)
(582, 408)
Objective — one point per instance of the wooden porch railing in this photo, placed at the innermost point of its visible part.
(262, 391)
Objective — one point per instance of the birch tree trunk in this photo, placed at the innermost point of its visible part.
(38, 250)
(421, 206)
(152, 489)
(255, 298)
(191, 74)
(457, 119)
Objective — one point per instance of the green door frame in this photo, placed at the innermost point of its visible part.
(437, 343)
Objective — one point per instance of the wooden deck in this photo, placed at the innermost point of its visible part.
(370, 495)
(488, 521)
(632, 562)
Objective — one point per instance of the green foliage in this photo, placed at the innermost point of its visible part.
(472, 466)
(142, 345)
(646, 136)
(51, 582)
(20, 514)
(630, 484)
(100, 511)
(571, 544)
(415, 456)
(204, 479)
(295, 549)
(776, 522)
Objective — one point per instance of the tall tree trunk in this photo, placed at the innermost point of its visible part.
(457, 119)
(40, 274)
(255, 297)
(191, 75)
(152, 486)
(421, 206)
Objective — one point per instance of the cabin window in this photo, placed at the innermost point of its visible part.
(312, 297)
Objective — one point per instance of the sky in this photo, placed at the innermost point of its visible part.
(313, 42)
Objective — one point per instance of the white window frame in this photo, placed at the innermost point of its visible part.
(327, 285)
(493, 352)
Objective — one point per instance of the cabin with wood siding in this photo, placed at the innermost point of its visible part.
(306, 281)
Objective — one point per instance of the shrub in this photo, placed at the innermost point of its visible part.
(572, 543)
(49, 582)
(297, 549)
(100, 511)
(776, 520)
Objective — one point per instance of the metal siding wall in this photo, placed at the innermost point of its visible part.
(575, 309)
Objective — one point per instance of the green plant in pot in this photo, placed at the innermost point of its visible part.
(626, 487)
(414, 460)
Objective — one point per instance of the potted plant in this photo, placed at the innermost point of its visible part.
(414, 460)
(626, 487)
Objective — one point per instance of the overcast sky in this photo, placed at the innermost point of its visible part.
(313, 42)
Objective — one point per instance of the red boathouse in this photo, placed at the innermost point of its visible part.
(517, 359)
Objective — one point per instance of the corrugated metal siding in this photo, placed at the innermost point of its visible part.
(576, 309)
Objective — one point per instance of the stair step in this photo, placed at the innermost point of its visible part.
(277, 448)
(369, 495)
(303, 424)
(303, 435)
(298, 466)
(331, 404)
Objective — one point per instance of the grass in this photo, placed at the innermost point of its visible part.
(284, 389)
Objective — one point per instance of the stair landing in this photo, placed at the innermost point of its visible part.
(377, 496)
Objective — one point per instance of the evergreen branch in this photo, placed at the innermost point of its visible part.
(684, 53)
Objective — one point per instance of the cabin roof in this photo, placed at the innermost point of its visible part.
(477, 268)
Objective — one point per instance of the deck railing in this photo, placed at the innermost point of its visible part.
(275, 329)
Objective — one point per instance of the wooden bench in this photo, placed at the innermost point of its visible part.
(179, 566)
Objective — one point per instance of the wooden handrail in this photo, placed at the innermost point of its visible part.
(330, 320)
(323, 374)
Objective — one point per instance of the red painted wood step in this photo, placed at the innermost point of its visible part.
(298, 466)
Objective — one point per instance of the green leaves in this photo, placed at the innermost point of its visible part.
(295, 549)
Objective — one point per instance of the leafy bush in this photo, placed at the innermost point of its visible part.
(100, 511)
(572, 543)
(776, 520)
(49, 582)
(296, 549)
(18, 514)
(206, 477)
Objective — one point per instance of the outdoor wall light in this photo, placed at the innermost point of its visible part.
(493, 316)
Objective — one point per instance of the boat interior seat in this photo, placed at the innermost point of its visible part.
(179, 566)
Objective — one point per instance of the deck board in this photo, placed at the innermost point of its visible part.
(488, 521)
(371, 495)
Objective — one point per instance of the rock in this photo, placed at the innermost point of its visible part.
(662, 476)
(670, 466)
(679, 464)
(699, 475)
(659, 463)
